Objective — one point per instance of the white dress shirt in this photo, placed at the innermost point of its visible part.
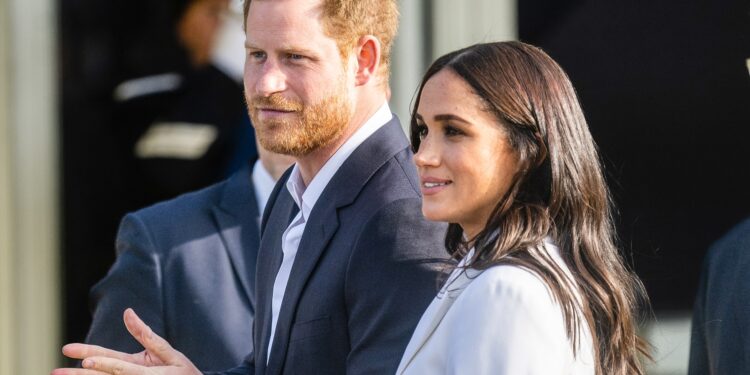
(263, 183)
(501, 321)
(305, 197)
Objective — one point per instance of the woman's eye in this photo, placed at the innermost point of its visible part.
(421, 131)
(451, 131)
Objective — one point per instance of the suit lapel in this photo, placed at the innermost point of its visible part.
(457, 283)
(237, 218)
(323, 223)
(317, 234)
(269, 260)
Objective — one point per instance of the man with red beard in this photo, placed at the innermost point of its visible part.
(347, 264)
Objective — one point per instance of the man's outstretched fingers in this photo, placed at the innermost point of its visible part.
(81, 351)
(76, 371)
(152, 342)
(112, 366)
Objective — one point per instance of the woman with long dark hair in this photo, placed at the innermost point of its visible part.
(505, 155)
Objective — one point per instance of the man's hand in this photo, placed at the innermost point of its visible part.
(158, 358)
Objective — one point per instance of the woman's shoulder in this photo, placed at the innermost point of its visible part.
(502, 284)
(510, 309)
(517, 282)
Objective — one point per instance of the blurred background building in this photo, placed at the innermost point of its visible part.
(664, 86)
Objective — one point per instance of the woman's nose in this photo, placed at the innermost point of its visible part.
(427, 155)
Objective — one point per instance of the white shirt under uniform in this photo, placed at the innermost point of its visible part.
(305, 197)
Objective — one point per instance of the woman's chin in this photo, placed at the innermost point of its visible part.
(435, 214)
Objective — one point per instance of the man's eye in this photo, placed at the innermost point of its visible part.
(294, 56)
(258, 55)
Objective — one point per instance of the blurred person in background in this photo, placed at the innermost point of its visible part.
(182, 128)
(720, 338)
(180, 122)
(152, 108)
(188, 267)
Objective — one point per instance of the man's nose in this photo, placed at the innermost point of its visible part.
(271, 79)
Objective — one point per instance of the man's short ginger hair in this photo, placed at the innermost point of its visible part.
(348, 20)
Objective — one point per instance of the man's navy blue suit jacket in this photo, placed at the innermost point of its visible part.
(366, 268)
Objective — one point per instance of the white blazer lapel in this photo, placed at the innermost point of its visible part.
(457, 282)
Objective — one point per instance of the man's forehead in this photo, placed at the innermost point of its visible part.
(277, 13)
(282, 20)
(307, 8)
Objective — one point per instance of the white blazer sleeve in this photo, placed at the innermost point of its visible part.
(507, 323)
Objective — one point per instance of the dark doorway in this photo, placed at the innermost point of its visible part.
(666, 91)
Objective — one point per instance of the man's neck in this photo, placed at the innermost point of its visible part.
(310, 164)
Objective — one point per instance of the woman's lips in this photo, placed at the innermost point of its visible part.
(432, 185)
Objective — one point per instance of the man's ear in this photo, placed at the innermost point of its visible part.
(367, 52)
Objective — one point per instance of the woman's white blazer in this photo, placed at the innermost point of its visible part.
(499, 321)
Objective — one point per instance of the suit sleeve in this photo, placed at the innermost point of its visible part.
(133, 281)
(507, 323)
(246, 368)
(391, 278)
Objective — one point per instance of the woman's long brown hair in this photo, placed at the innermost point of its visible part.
(558, 191)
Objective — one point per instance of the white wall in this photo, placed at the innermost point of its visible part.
(7, 352)
(453, 24)
(458, 24)
(407, 59)
(29, 253)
